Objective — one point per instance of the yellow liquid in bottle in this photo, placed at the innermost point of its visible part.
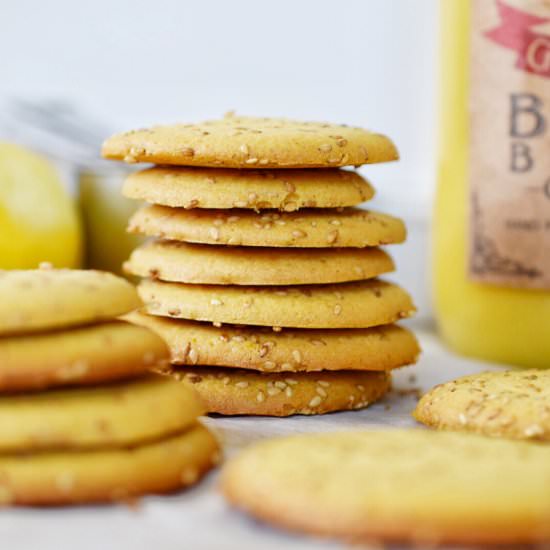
(507, 325)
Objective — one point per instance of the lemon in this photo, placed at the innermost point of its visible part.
(39, 221)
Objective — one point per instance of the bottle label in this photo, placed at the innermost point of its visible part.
(509, 210)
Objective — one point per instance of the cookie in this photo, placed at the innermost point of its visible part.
(286, 190)
(317, 228)
(192, 343)
(45, 299)
(346, 305)
(111, 475)
(114, 415)
(414, 486)
(513, 404)
(86, 355)
(222, 265)
(231, 391)
(250, 142)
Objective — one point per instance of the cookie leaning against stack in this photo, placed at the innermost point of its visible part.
(255, 224)
(102, 427)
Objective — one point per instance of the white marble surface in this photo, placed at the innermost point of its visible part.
(199, 519)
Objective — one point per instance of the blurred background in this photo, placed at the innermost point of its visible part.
(74, 72)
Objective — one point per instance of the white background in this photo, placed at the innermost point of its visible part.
(135, 62)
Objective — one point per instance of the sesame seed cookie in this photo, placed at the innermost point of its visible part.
(286, 190)
(231, 391)
(114, 415)
(192, 343)
(414, 486)
(313, 228)
(346, 305)
(250, 142)
(51, 298)
(109, 475)
(513, 404)
(84, 355)
(223, 265)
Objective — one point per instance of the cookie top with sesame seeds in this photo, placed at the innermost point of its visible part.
(85, 355)
(420, 487)
(345, 305)
(290, 350)
(113, 475)
(232, 391)
(237, 265)
(47, 298)
(115, 415)
(513, 404)
(285, 190)
(250, 142)
(308, 228)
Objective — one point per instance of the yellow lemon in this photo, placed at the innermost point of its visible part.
(38, 219)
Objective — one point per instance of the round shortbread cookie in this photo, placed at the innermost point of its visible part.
(513, 404)
(114, 415)
(229, 265)
(192, 343)
(85, 355)
(413, 486)
(44, 299)
(318, 228)
(361, 304)
(286, 190)
(231, 392)
(251, 142)
(113, 475)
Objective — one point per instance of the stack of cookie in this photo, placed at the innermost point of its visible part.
(81, 417)
(262, 276)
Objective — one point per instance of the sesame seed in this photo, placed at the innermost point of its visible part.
(242, 384)
(462, 419)
(244, 149)
(291, 381)
(252, 197)
(264, 350)
(214, 233)
(260, 397)
(269, 365)
(332, 236)
(216, 302)
(277, 329)
(240, 204)
(280, 384)
(342, 142)
(288, 391)
(533, 430)
(264, 161)
(286, 366)
(317, 342)
(251, 161)
(335, 222)
(321, 392)
(337, 309)
(217, 324)
(323, 383)
(297, 356)
(226, 380)
(325, 148)
(298, 233)
(193, 356)
(219, 221)
(45, 266)
(233, 219)
(188, 152)
(273, 391)
(316, 401)
(237, 339)
(360, 387)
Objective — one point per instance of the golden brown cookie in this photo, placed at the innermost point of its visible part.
(317, 228)
(286, 190)
(250, 142)
(414, 486)
(86, 355)
(109, 475)
(361, 304)
(513, 404)
(222, 265)
(51, 298)
(192, 343)
(114, 415)
(231, 391)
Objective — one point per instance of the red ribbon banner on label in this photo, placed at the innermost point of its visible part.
(515, 33)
